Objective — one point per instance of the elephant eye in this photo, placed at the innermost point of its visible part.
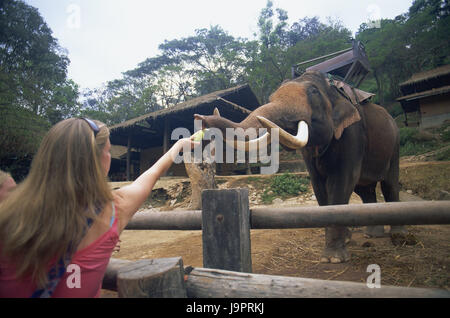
(313, 90)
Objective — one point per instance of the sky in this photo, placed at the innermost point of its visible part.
(105, 38)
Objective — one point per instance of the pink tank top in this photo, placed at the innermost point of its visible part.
(83, 277)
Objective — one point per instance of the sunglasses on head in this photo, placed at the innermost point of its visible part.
(93, 126)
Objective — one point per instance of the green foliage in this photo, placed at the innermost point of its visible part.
(415, 142)
(407, 134)
(445, 132)
(410, 43)
(443, 155)
(33, 66)
(280, 46)
(446, 136)
(34, 90)
(21, 132)
(286, 185)
(397, 110)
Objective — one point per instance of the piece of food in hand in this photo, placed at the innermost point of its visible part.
(198, 136)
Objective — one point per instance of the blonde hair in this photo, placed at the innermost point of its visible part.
(46, 215)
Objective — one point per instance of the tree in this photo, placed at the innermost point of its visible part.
(210, 60)
(34, 90)
(33, 66)
(412, 42)
(268, 67)
(280, 46)
(120, 100)
(21, 132)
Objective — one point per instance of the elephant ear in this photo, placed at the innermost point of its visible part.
(344, 114)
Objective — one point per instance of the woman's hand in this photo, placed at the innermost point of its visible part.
(186, 144)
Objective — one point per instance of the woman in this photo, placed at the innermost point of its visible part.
(65, 212)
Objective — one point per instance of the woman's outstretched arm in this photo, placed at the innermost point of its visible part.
(130, 198)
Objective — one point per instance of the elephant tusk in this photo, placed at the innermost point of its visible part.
(302, 134)
(251, 144)
(288, 140)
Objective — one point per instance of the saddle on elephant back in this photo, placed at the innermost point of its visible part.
(356, 96)
(346, 71)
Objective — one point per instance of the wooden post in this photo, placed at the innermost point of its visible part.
(110, 278)
(129, 158)
(166, 136)
(165, 139)
(226, 230)
(152, 278)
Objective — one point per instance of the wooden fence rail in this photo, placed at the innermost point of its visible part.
(226, 221)
(167, 278)
(394, 213)
(173, 220)
(397, 213)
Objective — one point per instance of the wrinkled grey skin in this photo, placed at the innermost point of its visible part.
(350, 148)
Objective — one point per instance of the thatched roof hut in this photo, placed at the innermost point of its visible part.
(148, 130)
(150, 133)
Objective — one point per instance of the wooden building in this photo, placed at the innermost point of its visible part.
(428, 94)
(148, 137)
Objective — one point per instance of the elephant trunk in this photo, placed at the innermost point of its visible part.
(251, 122)
(266, 116)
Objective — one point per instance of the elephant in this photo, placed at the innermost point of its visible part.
(347, 147)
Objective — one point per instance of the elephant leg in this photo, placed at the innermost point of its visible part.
(339, 192)
(390, 188)
(319, 186)
(368, 195)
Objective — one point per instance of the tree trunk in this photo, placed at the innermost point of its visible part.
(201, 176)
(379, 88)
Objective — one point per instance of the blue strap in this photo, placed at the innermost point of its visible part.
(113, 216)
(54, 276)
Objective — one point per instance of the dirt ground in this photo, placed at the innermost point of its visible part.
(422, 260)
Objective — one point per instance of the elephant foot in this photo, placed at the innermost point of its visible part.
(335, 240)
(374, 231)
(398, 229)
(335, 255)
